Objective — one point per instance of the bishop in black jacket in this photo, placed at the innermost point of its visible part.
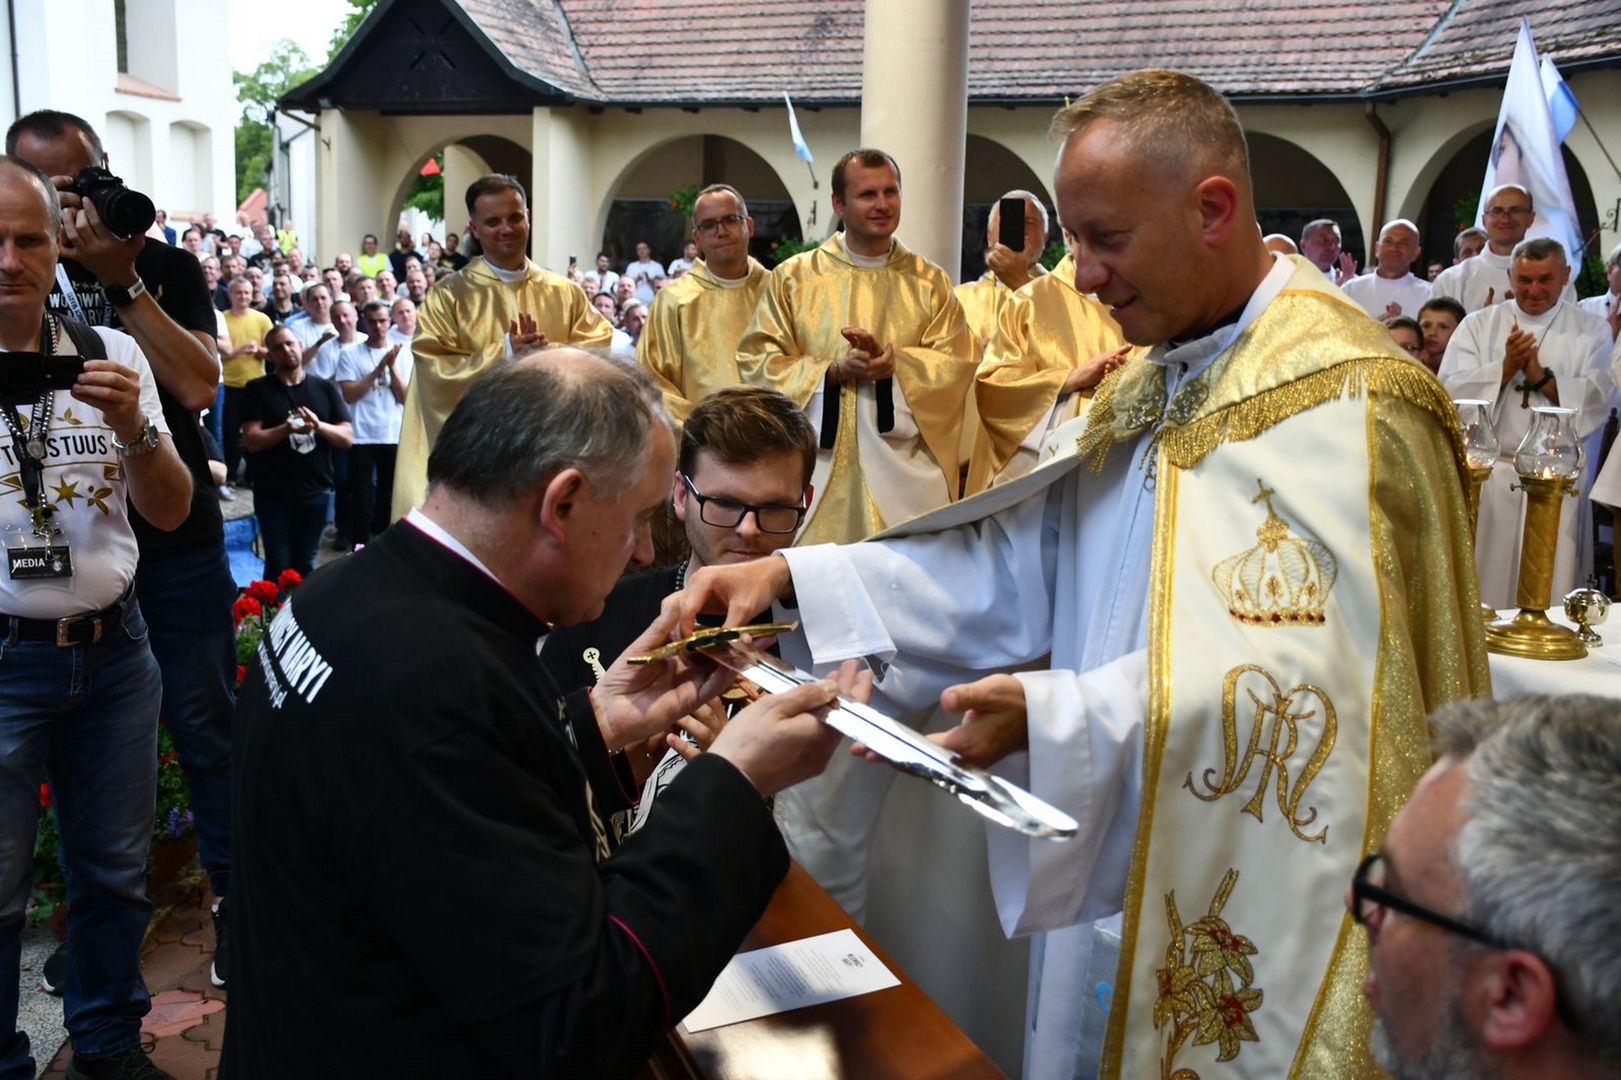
(422, 885)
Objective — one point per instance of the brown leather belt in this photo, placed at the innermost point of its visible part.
(84, 629)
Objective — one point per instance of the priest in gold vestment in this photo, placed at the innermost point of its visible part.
(1052, 346)
(1251, 569)
(868, 338)
(689, 344)
(1007, 270)
(498, 306)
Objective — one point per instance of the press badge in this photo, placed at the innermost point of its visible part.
(24, 563)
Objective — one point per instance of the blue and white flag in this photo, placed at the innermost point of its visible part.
(1562, 104)
(800, 148)
(1525, 150)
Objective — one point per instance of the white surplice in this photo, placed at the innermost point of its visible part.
(1575, 346)
(1375, 293)
(1062, 572)
(1470, 281)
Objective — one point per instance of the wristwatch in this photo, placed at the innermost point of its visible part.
(143, 443)
(119, 295)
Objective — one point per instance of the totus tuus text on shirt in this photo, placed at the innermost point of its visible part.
(290, 661)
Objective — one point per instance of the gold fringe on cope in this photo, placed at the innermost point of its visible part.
(1187, 444)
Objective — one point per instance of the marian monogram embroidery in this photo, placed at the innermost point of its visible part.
(1283, 580)
(1206, 989)
(1277, 718)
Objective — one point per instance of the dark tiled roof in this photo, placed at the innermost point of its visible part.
(1242, 47)
(1477, 40)
(697, 52)
(532, 36)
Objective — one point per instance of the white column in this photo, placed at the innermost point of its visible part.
(462, 167)
(914, 106)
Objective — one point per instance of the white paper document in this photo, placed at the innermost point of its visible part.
(827, 967)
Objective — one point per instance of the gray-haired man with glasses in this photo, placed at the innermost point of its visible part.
(689, 342)
(1494, 937)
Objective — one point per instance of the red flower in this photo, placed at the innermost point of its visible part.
(241, 674)
(44, 795)
(290, 580)
(263, 591)
(244, 607)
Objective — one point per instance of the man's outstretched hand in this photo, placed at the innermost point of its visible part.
(636, 702)
(740, 592)
(780, 739)
(993, 723)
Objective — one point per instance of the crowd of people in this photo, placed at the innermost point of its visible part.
(941, 483)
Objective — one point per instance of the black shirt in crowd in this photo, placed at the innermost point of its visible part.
(283, 470)
(174, 277)
(419, 864)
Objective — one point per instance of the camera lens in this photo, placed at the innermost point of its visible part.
(127, 213)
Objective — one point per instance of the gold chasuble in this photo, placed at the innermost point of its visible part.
(689, 344)
(462, 330)
(1312, 598)
(888, 453)
(1045, 331)
(982, 300)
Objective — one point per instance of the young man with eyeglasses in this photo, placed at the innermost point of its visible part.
(1484, 280)
(741, 488)
(1494, 941)
(689, 343)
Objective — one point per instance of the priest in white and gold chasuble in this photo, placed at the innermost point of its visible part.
(1289, 678)
(1310, 598)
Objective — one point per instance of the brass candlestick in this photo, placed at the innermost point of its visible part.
(1478, 474)
(1549, 459)
(1531, 633)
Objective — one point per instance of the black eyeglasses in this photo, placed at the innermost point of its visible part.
(1366, 897)
(714, 225)
(726, 513)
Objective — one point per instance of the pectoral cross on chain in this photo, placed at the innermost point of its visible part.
(1525, 390)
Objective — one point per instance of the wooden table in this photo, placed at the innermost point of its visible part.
(897, 1032)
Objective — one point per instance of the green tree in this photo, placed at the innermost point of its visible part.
(428, 192)
(257, 91)
(358, 10)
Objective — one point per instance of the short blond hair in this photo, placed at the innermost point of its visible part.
(1167, 115)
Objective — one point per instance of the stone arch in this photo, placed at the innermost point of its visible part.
(484, 152)
(1294, 186)
(631, 203)
(1450, 183)
(992, 168)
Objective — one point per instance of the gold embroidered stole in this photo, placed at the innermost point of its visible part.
(1296, 644)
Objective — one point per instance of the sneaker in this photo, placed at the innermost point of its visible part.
(54, 975)
(216, 971)
(132, 1064)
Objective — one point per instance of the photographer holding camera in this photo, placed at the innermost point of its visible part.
(110, 275)
(79, 689)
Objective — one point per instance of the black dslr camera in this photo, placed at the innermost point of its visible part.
(127, 213)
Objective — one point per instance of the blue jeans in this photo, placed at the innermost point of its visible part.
(290, 528)
(85, 718)
(215, 421)
(186, 598)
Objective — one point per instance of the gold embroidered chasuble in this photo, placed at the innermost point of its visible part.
(1044, 331)
(689, 344)
(462, 330)
(868, 478)
(982, 300)
(1312, 599)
